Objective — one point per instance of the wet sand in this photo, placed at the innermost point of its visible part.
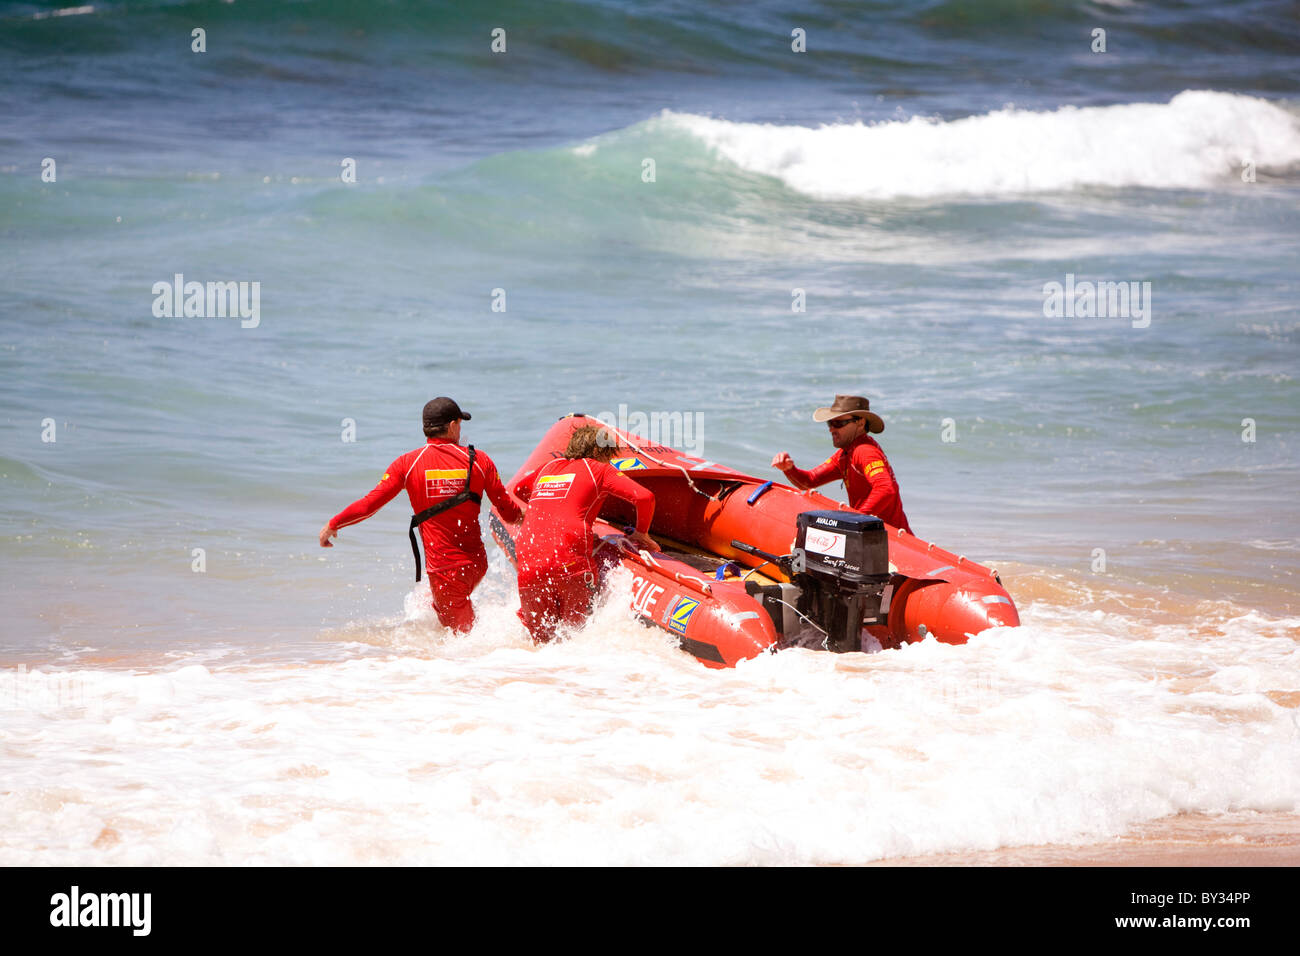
(1186, 840)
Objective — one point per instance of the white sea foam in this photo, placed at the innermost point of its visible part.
(1276, 544)
(615, 748)
(1200, 139)
(65, 12)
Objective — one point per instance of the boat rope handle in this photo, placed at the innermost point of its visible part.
(690, 580)
(644, 557)
(668, 464)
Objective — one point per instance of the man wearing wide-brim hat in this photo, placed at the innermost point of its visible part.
(858, 461)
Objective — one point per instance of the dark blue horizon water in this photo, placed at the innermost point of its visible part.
(418, 81)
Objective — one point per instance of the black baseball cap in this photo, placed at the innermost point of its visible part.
(442, 411)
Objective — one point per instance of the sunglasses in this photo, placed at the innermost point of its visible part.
(841, 422)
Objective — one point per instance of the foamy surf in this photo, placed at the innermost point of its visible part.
(1200, 139)
(615, 748)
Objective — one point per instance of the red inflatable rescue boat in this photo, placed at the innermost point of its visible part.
(750, 565)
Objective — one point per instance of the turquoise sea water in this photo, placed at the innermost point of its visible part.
(921, 220)
(915, 179)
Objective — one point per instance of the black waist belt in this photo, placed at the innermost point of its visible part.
(419, 519)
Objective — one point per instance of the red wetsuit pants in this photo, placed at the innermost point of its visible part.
(558, 573)
(451, 586)
(549, 602)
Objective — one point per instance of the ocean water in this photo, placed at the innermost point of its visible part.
(186, 677)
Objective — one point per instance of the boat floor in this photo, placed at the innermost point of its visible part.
(707, 562)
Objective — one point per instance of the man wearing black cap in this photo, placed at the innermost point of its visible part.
(858, 461)
(445, 483)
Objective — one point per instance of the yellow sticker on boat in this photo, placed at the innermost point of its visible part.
(681, 613)
(627, 464)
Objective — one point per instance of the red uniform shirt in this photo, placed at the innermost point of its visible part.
(564, 497)
(867, 475)
(432, 474)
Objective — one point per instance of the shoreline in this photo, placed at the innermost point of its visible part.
(1185, 840)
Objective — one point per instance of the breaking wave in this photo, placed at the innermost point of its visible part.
(1198, 140)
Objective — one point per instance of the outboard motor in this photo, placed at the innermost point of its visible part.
(839, 570)
(840, 563)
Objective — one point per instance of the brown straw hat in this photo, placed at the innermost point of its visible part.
(851, 405)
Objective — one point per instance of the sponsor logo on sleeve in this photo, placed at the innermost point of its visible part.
(627, 464)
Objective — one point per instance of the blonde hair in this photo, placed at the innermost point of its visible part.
(591, 441)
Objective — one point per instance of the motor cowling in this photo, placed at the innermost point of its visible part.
(841, 565)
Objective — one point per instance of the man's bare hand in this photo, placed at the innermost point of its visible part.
(783, 461)
(325, 534)
(643, 539)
